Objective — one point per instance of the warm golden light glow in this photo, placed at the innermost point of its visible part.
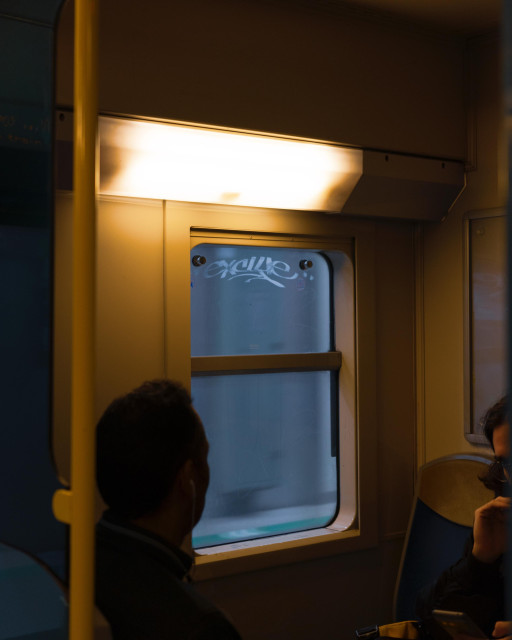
(172, 162)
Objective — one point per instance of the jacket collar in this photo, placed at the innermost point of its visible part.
(112, 524)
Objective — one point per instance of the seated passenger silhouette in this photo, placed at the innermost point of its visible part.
(475, 584)
(152, 473)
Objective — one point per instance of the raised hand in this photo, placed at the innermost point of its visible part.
(503, 629)
(490, 530)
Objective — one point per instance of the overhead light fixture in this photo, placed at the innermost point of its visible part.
(196, 164)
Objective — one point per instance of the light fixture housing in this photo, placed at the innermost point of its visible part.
(147, 159)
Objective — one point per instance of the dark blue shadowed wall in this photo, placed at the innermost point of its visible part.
(27, 30)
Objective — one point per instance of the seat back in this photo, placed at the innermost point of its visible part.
(448, 492)
(32, 601)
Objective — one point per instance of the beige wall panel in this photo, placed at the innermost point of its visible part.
(488, 181)
(443, 303)
(444, 257)
(328, 598)
(130, 291)
(395, 366)
(130, 312)
(282, 69)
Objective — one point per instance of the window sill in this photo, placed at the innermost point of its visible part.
(253, 555)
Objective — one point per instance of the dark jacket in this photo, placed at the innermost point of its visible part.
(141, 588)
(475, 587)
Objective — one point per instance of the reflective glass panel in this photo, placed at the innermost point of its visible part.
(252, 300)
(272, 455)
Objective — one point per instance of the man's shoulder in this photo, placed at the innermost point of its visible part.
(142, 595)
(156, 611)
(137, 577)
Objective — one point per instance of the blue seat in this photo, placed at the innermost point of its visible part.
(448, 492)
(33, 602)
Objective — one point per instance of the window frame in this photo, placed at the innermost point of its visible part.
(472, 433)
(187, 225)
(295, 362)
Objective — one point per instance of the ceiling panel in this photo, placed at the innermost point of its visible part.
(460, 15)
(466, 17)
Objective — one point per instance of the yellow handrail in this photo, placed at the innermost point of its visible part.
(77, 506)
(83, 343)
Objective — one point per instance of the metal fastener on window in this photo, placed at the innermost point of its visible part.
(198, 261)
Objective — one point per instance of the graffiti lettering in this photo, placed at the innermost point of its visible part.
(254, 268)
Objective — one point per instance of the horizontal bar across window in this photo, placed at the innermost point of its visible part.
(272, 363)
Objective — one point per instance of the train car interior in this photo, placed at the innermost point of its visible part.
(298, 210)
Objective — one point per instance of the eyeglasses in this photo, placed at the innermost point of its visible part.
(499, 475)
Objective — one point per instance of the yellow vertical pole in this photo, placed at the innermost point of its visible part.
(83, 343)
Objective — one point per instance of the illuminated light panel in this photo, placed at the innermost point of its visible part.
(173, 162)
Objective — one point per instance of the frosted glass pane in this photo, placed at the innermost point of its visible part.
(252, 300)
(272, 460)
(488, 313)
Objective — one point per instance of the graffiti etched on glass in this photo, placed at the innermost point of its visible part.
(262, 268)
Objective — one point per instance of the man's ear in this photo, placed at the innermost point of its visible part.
(186, 477)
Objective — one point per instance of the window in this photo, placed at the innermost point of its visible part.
(485, 319)
(265, 381)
